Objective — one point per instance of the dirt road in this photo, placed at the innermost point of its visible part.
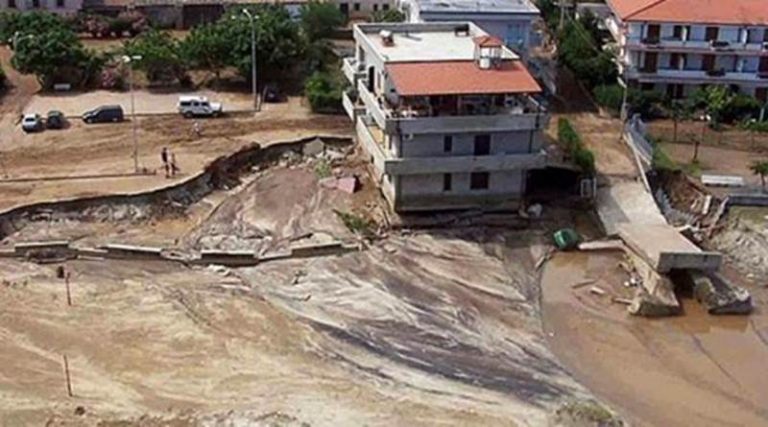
(696, 369)
(107, 149)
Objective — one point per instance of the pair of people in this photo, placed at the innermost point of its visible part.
(168, 158)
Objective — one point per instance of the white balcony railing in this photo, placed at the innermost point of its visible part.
(351, 70)
(671, 74)
(464, 164)
(386, 120)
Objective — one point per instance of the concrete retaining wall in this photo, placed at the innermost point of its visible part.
(753, 199)
(223, 172)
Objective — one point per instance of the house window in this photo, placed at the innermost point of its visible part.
(375, 7)
(60, 3)
(478, 180)
(447, 144)
(357, 7)
(677, 32)
(482, 145)
(711, 33)
(447, 182)
(385, 6)
(11, 4)
(35, 4)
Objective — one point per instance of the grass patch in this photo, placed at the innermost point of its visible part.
(356, 223)
(323, 169)
(661, 160)
(589, 412)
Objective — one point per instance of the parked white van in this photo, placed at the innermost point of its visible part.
(196, 105)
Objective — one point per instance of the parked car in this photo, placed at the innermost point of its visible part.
(272, 93)
(32, 122)
(55, 120)
(104, 114)
(195, 105)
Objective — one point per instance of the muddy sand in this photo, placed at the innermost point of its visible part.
(695, 369)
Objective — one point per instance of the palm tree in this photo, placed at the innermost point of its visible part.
(760, 168)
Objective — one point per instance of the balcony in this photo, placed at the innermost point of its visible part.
(696, 46)
(348, 100)
(413, 120)
(352, 70)
(464, 164)
(674, 75)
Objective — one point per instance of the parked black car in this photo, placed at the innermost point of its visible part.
(104, 114)
(55, 120)
(272, 93)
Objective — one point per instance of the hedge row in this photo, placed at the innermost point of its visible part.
(571, 141)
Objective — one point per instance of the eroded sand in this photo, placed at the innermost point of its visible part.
(695, 369)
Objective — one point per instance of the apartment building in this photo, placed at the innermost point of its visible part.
(508, 20)
(676, 46)
(363, 9)
(61, 7)
(446, 113)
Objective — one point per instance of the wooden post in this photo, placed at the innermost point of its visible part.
(66, 374)
(69, 294)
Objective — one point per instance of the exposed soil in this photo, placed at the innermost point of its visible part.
(695, 369)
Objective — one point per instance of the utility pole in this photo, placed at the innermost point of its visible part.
(252, 18)
(129, 60)
(66, 375)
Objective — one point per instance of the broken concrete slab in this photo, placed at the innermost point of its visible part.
(649, 305)
(347, 184)
(664, 249)
(718, 296)
(313, 148)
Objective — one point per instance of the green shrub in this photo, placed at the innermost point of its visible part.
(609, 96)
(323, 91)
(356, 223)
(571, 142)
(740, 107)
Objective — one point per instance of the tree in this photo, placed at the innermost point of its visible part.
(36, 22)
(320, 20)
(208, 47)
(389, 15)
(278, 38)
(581, 52)
(679, 109)
(160, 57)
(54, 56)
(760, 168)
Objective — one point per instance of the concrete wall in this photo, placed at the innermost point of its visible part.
(507, 183)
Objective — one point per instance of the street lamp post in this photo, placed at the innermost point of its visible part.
(252, 18)
(128, 60)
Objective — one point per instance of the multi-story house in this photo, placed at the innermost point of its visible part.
(363, 9)
(509, 20)
(676, 46)
(61, 7)
(446, 114)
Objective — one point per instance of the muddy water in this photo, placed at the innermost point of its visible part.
(695, 369)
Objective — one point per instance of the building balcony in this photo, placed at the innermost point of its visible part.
(349, 101)
(698, 46)
(464, 164)
(351, 70)
(673, 75)
(410, 122)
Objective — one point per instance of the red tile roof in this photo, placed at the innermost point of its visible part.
(488, 41)
(725, 12)
(460, 78)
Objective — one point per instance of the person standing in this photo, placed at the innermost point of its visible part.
(174, 167)
(164, 158)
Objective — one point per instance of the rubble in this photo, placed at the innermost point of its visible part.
(720, 297)
(648, 305)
